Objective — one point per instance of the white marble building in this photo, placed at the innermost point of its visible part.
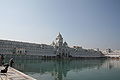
(58, 48)
(63, 50)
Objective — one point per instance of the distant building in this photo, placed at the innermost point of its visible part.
(58, 48)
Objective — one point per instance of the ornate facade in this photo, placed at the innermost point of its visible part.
(58, 48)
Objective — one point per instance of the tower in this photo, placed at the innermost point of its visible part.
(59, 40)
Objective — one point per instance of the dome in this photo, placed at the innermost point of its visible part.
(59, 35)
(59, 40)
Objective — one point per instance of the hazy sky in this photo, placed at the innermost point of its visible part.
(87, 23)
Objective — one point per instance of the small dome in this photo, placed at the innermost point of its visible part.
(65, 44)
(53, 43)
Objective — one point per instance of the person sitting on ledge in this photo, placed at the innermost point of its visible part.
(6, 68)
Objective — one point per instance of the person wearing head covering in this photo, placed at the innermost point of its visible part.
(11, 62)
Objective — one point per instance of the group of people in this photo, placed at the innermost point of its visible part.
(6, 65)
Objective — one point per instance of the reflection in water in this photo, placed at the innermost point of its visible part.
(111, 64)
(87, 69)
(58, 69)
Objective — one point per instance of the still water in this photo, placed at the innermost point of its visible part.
(91, 69)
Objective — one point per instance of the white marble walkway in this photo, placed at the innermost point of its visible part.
(14, 74)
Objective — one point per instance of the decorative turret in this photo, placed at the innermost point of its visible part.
(65, 44)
